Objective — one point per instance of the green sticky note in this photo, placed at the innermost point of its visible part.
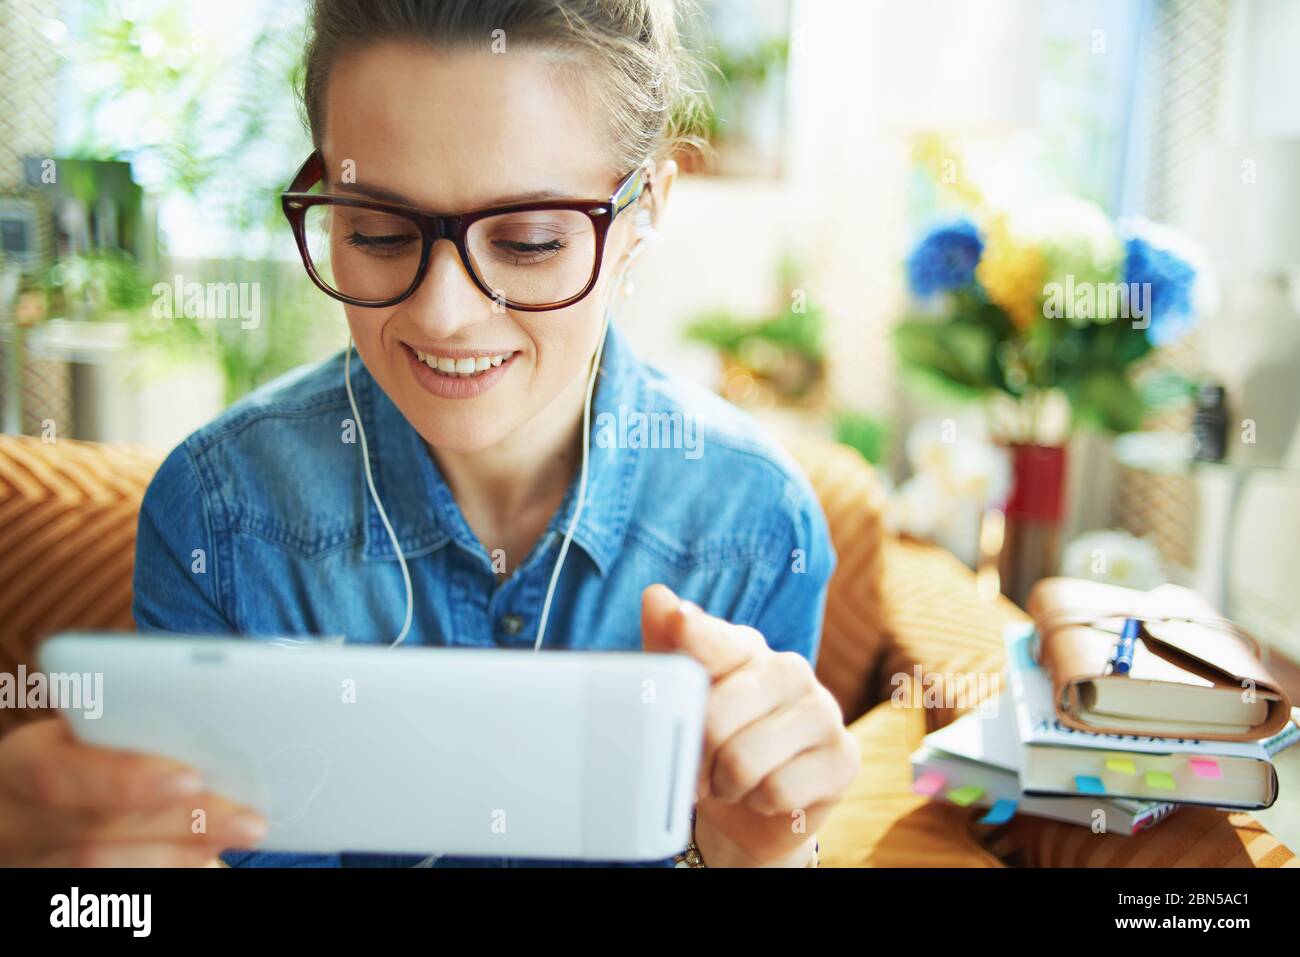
(1161, 780)
(1122, 765)
(966, 795)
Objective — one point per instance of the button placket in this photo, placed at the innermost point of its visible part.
(516, 603)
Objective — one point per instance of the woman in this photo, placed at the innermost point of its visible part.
(434, 489)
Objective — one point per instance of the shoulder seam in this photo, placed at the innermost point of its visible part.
(201, 441)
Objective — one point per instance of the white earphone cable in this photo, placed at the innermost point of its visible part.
(374, 497)
(644, 232)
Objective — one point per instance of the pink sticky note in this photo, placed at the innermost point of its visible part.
(930, 783)
(1206, 768)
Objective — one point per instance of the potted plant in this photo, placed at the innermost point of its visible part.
(777, 359)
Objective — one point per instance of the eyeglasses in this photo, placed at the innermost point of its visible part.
(528, 256)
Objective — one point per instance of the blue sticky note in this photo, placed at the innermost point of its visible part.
(1087, 784)
(1001, 812)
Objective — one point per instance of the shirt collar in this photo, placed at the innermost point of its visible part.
(423, 512)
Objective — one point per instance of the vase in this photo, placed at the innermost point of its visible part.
(1034, 511)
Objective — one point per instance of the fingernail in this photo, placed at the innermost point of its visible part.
(185, 784)
(690, 608)
(248, 829)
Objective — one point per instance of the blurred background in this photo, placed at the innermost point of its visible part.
(1036, 260)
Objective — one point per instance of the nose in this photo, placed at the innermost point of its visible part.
(446, 301)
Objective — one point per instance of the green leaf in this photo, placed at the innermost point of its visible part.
(1166, 388)
(960, 352)
(864, 432)
(1104, 398)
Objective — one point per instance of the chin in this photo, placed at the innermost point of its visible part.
(455, 431)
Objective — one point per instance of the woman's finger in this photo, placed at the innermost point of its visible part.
(209, 820)
(816, 778)
(746, 758)
(746, 696)
(129, 855)
(45, 766)
(670, 624)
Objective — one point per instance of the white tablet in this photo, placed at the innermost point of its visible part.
(483, 753)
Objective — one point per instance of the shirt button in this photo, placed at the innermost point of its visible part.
(512, 624)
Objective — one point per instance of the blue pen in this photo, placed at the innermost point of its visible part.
(1122, 658)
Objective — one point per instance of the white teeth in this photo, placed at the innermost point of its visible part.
(461, 367)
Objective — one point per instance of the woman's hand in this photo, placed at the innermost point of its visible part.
(776, 754)
(67, 804)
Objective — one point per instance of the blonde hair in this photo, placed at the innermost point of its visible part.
(648, 95)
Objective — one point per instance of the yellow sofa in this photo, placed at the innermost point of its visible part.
(67, 535)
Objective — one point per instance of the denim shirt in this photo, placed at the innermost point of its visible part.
(272, 496)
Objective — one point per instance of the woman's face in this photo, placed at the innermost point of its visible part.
(456, 132)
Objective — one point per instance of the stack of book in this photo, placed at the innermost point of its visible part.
(1051, 746)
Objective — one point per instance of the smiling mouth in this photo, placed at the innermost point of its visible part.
(465, 367)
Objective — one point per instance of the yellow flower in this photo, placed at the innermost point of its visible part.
(1012, 272)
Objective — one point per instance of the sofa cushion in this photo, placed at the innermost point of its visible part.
(67, 521)
(853, 636)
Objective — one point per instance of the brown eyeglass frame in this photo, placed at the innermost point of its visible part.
(455, 227)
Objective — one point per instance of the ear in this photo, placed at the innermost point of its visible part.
(665, 174)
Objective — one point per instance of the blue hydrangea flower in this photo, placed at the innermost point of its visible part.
(1172, 281)
(945, 258)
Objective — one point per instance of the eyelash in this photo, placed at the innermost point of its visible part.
(382, 246)
(551, 246)
(378, 245)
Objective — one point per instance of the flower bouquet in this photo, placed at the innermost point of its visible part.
(1053, 299)
(1043, 314)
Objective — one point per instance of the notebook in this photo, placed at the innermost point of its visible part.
(1194, 674)
(982, 750)
(1059, 759)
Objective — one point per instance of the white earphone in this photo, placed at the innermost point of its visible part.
(645, 234)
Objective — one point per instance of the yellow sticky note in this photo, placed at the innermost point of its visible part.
(1121, 765)
(1161, 780)
(965, 795)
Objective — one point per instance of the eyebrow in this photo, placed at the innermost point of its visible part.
(389, 196)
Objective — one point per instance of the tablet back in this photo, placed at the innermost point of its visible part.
(493, 753)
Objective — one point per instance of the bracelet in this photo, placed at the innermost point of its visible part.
(690, 857)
